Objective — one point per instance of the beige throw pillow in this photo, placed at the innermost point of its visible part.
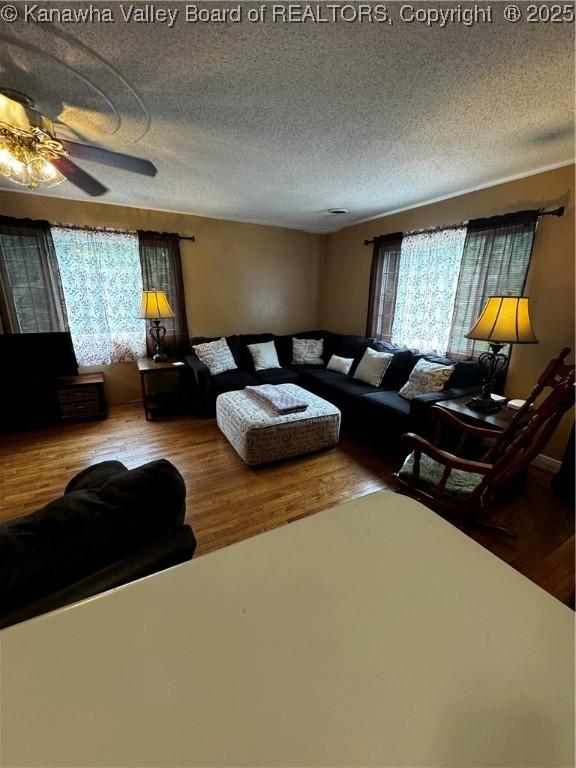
(340, 364)
(372, 367)
(264, 355)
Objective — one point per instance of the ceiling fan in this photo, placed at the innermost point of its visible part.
(31, 155)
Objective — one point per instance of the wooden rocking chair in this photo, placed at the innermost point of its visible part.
(455, 485)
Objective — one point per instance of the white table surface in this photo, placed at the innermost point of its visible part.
(374, 634)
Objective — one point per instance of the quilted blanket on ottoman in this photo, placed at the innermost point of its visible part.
(259, 434)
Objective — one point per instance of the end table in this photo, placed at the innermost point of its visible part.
(165, 399)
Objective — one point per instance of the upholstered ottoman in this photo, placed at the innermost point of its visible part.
(259, 434)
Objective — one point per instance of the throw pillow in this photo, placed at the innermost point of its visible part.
(426, 377)
(307, 351)
(216, 356)
(340, 364)
(264, 355)
(372, 367)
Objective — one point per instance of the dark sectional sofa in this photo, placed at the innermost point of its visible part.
(381, 408)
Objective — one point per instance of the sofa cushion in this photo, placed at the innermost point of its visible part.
(231, 380)
(264, 355)
(284, 344)
(338, 384)
(232, 342)
(397, 373)
(386, 401)
(372, 367)
(216, 356)
(340, 364)
(277, 376)
(426, 376)
(467, 373)
(307, 351)
(353, 346)
(244, 340)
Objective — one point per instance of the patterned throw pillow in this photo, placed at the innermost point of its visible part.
(426, 377)
(216, 356)
(307, 351)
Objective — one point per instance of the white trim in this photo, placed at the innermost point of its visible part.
(478, 188)
(547, 463)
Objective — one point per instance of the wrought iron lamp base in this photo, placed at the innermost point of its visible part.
(157, 333)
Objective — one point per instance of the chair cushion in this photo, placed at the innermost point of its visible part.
(386, 401)
(231, 380)
(460, 484)
(277, 376)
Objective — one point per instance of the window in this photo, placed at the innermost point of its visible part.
(89, 282)
(428, 288)
(31, 299)
(162, 271)
(102, 285)
(427, 279)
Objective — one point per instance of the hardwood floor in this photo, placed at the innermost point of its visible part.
(228, 501)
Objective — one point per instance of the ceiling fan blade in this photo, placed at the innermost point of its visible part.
(114, 159)
(78, 177)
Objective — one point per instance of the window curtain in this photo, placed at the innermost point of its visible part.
(162, 271)
(427, 281)
(495, 261)
(31, 296)
(383, 283)
(102, 285)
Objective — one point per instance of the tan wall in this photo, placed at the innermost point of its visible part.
(238, 278)
(345, 273)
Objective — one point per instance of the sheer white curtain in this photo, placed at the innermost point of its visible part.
(426, 289)
(102, 284)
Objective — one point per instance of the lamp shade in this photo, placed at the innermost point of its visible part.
(154, 306)
(504, 320)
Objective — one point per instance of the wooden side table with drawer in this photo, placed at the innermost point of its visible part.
(82, 397)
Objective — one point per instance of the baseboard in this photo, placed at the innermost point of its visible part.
(547, 463)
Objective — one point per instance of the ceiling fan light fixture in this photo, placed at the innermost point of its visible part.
(25, 158)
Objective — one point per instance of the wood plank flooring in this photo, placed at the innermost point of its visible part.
(228, 501)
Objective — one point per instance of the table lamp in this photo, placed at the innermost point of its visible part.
(154, 306)
(504, 320)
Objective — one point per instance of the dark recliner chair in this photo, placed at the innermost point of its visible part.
(111, 526)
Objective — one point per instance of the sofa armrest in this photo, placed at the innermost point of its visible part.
(420, 403)
(173, 548)
(201, 374)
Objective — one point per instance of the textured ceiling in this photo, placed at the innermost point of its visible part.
(276, 122)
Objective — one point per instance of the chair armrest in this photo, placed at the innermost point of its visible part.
(452, 420)
(420, 445)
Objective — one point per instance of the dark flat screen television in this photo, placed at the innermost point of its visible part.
(30, 366)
